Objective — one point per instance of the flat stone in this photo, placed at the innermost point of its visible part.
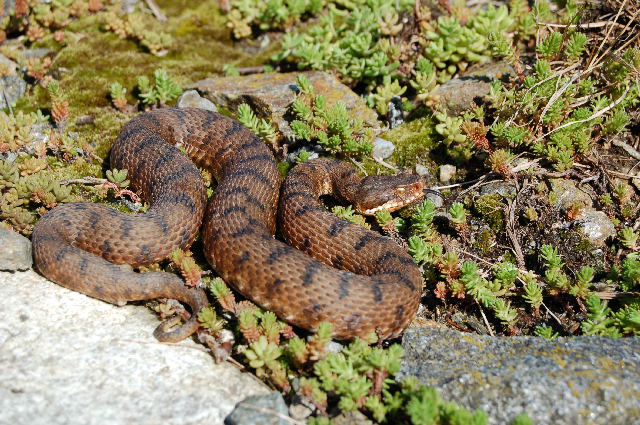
(16, 251)
(8, 5)
(267, 409)
(597, 227)
(382, 148)
(8, 65)
(447, 172)
(192, 99)
(354, 417)
(13, 87)
(66, 358)
(270, 94)
(463, 92)
(502, 188)
(35, 53)
(569, 194)
(580, 380)
(129, 6)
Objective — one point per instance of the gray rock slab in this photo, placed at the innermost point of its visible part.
(16, 251)
(597, 227)
(8, 65)
(270, 94)
(8, 5)
(468, 89)
(569, 193)
(68, 359)
(267, 409)
(192, 99)
(580, 380)
(12, 88)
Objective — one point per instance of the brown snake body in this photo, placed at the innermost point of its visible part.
(79, 245)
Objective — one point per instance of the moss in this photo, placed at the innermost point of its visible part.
(491, 209)
(201, 46)
(484, 242)
(413, 140)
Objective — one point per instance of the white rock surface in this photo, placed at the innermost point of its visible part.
(68, 359)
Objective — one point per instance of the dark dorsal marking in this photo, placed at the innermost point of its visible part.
(245, 256)
(235, 208)
(277, 253)
(337, 226)
(309, 272)
(306, 209)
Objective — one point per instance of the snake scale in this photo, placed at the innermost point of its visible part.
(83, 246)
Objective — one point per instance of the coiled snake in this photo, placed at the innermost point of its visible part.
(80, 245)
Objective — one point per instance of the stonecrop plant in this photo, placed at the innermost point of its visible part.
(330, 126)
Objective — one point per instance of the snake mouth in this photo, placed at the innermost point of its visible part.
(395, 204)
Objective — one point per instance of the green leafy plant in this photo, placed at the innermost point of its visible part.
(628, 238)
(331, 127)
(261, 127)
(162, 91)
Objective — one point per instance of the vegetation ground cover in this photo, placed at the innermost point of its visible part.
(514, 264)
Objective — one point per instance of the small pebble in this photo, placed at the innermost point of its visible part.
(382, 149)
(192, 99)
(16, 251)
(395, 115)
(255, 410)
(447, 171)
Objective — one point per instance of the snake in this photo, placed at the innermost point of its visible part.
(332, 270)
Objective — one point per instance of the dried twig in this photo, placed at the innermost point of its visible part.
(511, 231)
(84, 180)
(592, 117)
(156, 11)
(385, 164)
(486, 322)
(628, 149)
(6, 100)
(588, 25)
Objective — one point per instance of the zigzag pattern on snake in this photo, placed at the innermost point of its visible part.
(81, 245)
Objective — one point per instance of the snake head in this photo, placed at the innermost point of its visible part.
(388, 192)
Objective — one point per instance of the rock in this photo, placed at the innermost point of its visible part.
(267, 409)
(422, 170)
(8, 5)
(16, 251)
(569, 194)
(395, 116)
(447, 171)
(314, 152)
(7, 65)
(35, 53)
(68, 359)
(354, 417)
(270, 94)
(13, 87)
(300, 410)
(596, 226)
(502, 188)
(129, 6)
(39, 133)
(192, 99)
(579, 380)
(461, 93)
(382, 149)
(436, 199)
